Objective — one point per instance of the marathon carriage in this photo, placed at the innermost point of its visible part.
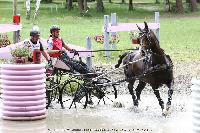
(77, 82)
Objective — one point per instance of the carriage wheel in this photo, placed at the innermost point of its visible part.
(52, 91)
(103, 91)
(75, 94)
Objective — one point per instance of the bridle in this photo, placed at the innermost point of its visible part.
(146, 48)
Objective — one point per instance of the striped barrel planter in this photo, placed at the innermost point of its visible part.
(196, 105)
(23, 91)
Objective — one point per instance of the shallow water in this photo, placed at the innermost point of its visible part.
(106, 118)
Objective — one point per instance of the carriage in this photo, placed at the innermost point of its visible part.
(78, 84)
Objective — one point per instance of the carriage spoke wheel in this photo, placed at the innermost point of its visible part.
(75, 94)
(104, 90)
(52, 92)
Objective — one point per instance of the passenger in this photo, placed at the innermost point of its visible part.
(34, 43)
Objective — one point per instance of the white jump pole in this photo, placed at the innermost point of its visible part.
(157, 20)
(15, 13)
(114, 23)
(89, 47)
(106, 35)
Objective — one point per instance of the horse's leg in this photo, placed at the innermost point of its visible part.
(157, 93)
(170, 92)
(139, 89)
(130, 88)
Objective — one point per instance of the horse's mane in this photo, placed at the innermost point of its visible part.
(156, 43)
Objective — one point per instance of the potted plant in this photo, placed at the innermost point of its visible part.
(20, 55)
(134, 36)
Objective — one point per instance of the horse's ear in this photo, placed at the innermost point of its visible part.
(139, 28)
(146, 26)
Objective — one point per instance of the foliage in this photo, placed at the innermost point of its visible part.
(20, 52)
(4, 41)
(133, 35)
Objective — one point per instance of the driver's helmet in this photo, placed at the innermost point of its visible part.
(35, 31)
(54, 27)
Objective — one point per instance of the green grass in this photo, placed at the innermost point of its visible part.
(180, 34)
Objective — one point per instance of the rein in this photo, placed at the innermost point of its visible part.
(96, 78)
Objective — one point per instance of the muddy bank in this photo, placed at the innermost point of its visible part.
(184, 71)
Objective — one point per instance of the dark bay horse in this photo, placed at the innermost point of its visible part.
(155, 69)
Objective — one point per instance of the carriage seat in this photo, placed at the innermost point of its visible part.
(57, 63)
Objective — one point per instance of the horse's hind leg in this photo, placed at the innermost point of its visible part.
(170, 92)
(130, 88)
(157, 93)
(139, 89)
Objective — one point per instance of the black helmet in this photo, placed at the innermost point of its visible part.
(35, 31)
(54, 27)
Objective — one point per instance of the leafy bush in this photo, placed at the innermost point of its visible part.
(20, 52)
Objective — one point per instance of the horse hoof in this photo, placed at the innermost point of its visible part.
(136, 109)
(118, 104)
(164, 114)
(62, 107)
(168, 107)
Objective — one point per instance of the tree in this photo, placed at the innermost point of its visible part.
(80, 5)
(69, 4)
(28, 8)
(193, 5)
(198, 1)
(85, 5)
(47, 1)
(167, 5)
(123, 1)
(100, 7)
(179, 6)
(157, 2)
(130, 8)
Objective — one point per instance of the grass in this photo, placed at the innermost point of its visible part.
(179, 33)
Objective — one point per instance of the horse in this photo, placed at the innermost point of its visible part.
(149, 65)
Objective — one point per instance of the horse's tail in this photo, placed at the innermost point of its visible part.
(170, 61)
(121, 57)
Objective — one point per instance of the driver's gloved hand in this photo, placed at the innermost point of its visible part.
(75, 52)
(50, 63)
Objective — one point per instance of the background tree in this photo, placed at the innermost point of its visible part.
(47, 1)
(179, 6)
(85, 5)
(157, 2)
(193, 5)
(69, 4)
(100, 7)
(167, 5)
(130, 8)
(28, 8)
(80, 5)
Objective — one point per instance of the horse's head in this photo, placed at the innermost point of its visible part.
(148, 40)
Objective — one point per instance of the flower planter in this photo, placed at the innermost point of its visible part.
(23, 98)
(196, 105)
(135, 41)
